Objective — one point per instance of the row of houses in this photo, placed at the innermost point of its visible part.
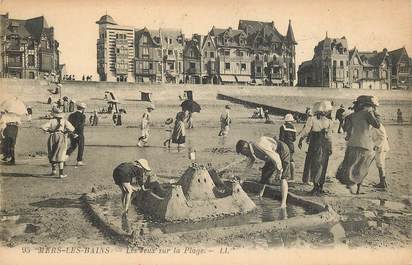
(334, 65)
(27, 48)
(255, 52)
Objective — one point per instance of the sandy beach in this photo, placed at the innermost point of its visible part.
(50, 211)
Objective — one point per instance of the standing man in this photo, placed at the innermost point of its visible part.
(340, 113)
(276, 156)
(78, 120)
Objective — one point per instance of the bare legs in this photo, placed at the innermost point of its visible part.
(284, 191)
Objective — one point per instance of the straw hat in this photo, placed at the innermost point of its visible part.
(327, 105)
(365, 100)
(169, 121)
(289, 118)
(82, 105)
(144, 164)
(317, 107)
(57, 113)
(151, 106)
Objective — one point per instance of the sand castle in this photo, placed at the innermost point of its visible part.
(195, 197)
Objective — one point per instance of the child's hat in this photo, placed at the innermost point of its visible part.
(289, 117)
(169, 121)
(143, 163)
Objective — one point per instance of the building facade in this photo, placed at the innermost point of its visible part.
(233, 55)
(28, 48)
(272, 54)
(172, 46)
(149, 59)
(115, 51)
(254, 53)
(329, 66)
(369, 70)
(401, 73)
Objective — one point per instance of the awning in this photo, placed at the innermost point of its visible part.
(243, 79)
(146, 80)
(228, 78)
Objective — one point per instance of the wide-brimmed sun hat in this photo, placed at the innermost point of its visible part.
(365, 100)
(144, 164)
(82, 105)
(317, 107)
(327, 105)
(57, 113)
(151, 106)
(289, 118)
(169, 121)
(342, 106)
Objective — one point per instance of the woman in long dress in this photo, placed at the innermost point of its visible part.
(57, 127)
(179, 132)
(359, 151)
(320, 146)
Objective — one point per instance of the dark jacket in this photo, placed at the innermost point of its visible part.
(78, 120)
(339, 114)
(287, 135)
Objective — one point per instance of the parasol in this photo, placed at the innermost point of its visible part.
(14, 105)
(190, 105)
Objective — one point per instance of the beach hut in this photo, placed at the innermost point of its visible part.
(145, 96)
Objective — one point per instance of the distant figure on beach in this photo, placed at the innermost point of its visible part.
(169, 131)
(381, 147)
(145, 126)
(340, 115)
(276, 156)
(317, 128)
(359, 151)
(179, 132)
(9, 127)
(225, 122)
(94, 119)
(399, 117)
(287, 134)
(57, 127)
(29, 113)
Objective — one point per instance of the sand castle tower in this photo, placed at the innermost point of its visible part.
(195, 197)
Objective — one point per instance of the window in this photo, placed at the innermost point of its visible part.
(243, 67)
(334, 64)
(212, 55)
(257, 57)
(227, 66)
(341, 64)
(208, 44)
(171, 66)
(30, 45)
(117, 50)
(355, 74)
(144, 39)
(145, 51)
(192, 65)
(31, 75)
(240, 54)
(150, 66)
(227, 53)
(259, 69)
(30, 60)
(180, 67)
(169, 52)
(192, 54)
(205, 54)
(170, 41)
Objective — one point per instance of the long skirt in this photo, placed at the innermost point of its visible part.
(355, 165)
(57, 147)
(178, 134)
(317, 158)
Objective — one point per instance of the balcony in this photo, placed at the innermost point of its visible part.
(145, 72)
(15, 48)
(15, 64)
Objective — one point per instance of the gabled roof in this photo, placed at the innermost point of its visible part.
(153, 35)
(175, 34)
(373, 59)
(229, 31)
(266, 30)
(396, 55)
(33, 27)
(305, 65)
(206, 38)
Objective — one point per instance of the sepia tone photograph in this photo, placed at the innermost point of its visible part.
(205, 132)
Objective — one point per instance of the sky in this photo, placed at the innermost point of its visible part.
(367, 24)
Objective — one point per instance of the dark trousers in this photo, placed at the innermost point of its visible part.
(10, 137)
(340, 125)
(74, 143)
(269, 167)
